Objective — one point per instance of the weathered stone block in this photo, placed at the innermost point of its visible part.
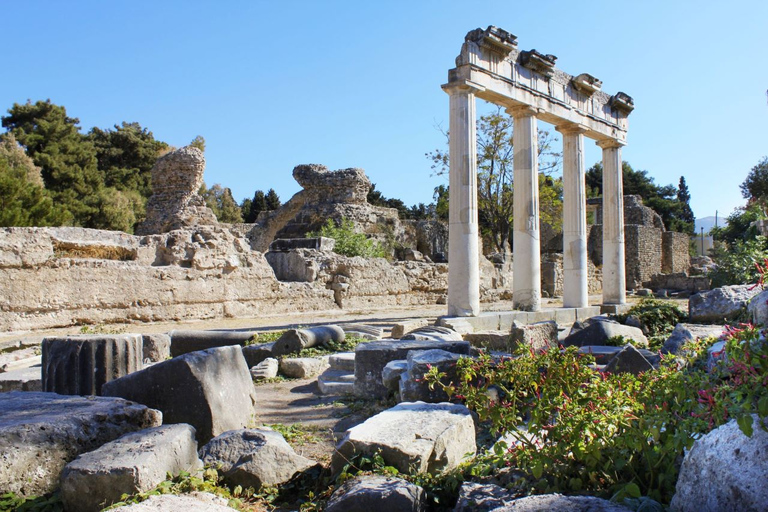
(371, 358)
(184, 342)
(41, 432)
(412, 385)
(724, 470)
(133, 463)
(82, 364)
(402, 328)
(432, 333)
(628, 360)
(390, 375)
(375, 493)
(156, 347)
(266, 369)
(684, 333)
(599, 332)
(413, 437)
(491, 340)
(303, 367)
(288, 244)
(254, 457)
(210, 390)
(194, 502)
(725, 303)
(24, 379)
(539, 336)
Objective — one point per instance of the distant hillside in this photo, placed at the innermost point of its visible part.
(708, 223)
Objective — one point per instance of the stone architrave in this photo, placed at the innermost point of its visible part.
(526, 236)
(614, 273)
(463, 227)
(575, 278)
(82, 364)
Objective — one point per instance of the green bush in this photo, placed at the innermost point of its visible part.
(348, 242)
(577, 430)
(659, 317)
(736, 264)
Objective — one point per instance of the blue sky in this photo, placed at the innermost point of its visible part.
(271, 85)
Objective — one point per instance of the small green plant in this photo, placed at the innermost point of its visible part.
(264, 337)
(348, 242)
(620, 341)
(297, 434)
(348, 344)
(659, 317)
(10, 501)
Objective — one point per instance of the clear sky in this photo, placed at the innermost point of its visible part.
(273, 84)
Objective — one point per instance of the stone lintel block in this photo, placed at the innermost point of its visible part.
(614, 309)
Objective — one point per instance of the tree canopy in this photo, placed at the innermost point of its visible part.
(755, 186)
(670, 202)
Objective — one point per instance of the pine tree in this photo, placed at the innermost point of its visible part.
(273, 201)
(258, 205)
(684, 198)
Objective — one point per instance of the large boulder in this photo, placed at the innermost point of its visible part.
(758, 309)
(476, 497)
(211, 390)
(41, 432)
(412, 437)
(684, 333)
(599, 332)
(372, 357)
(134, 463)
(724, 470)
(628, 360)
(254, 457)
(81, 364)
(720, 304)
(374, 493)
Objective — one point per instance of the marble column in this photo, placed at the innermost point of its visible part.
(463, 229)
(575, 274)
(614, 274)
(526, 287)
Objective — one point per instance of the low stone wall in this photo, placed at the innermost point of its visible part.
(552, 276)
(55, 277)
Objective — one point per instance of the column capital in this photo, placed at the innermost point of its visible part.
(610, 143)
(522, 111)
(571, 128)
(462, 87)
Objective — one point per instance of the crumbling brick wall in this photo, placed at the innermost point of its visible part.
(642, 250)
(675, 254)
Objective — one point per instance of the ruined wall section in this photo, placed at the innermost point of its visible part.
(57, 277)
(643, 254)
(675, 252)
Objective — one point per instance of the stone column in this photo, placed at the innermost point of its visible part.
(526, 236)
(614, 274)
(575, 274)
(463, 230)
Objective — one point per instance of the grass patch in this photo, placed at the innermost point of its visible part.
(297, 434)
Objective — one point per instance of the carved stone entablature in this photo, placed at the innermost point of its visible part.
(622, 102)
(587, 84)
(493, 39)
(538, 62)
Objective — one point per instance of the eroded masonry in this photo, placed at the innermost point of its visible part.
(527, 84)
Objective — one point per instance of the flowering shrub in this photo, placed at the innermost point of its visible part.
(573, 429)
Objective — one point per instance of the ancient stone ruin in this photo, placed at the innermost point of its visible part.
(528, 85)
(175, 202)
